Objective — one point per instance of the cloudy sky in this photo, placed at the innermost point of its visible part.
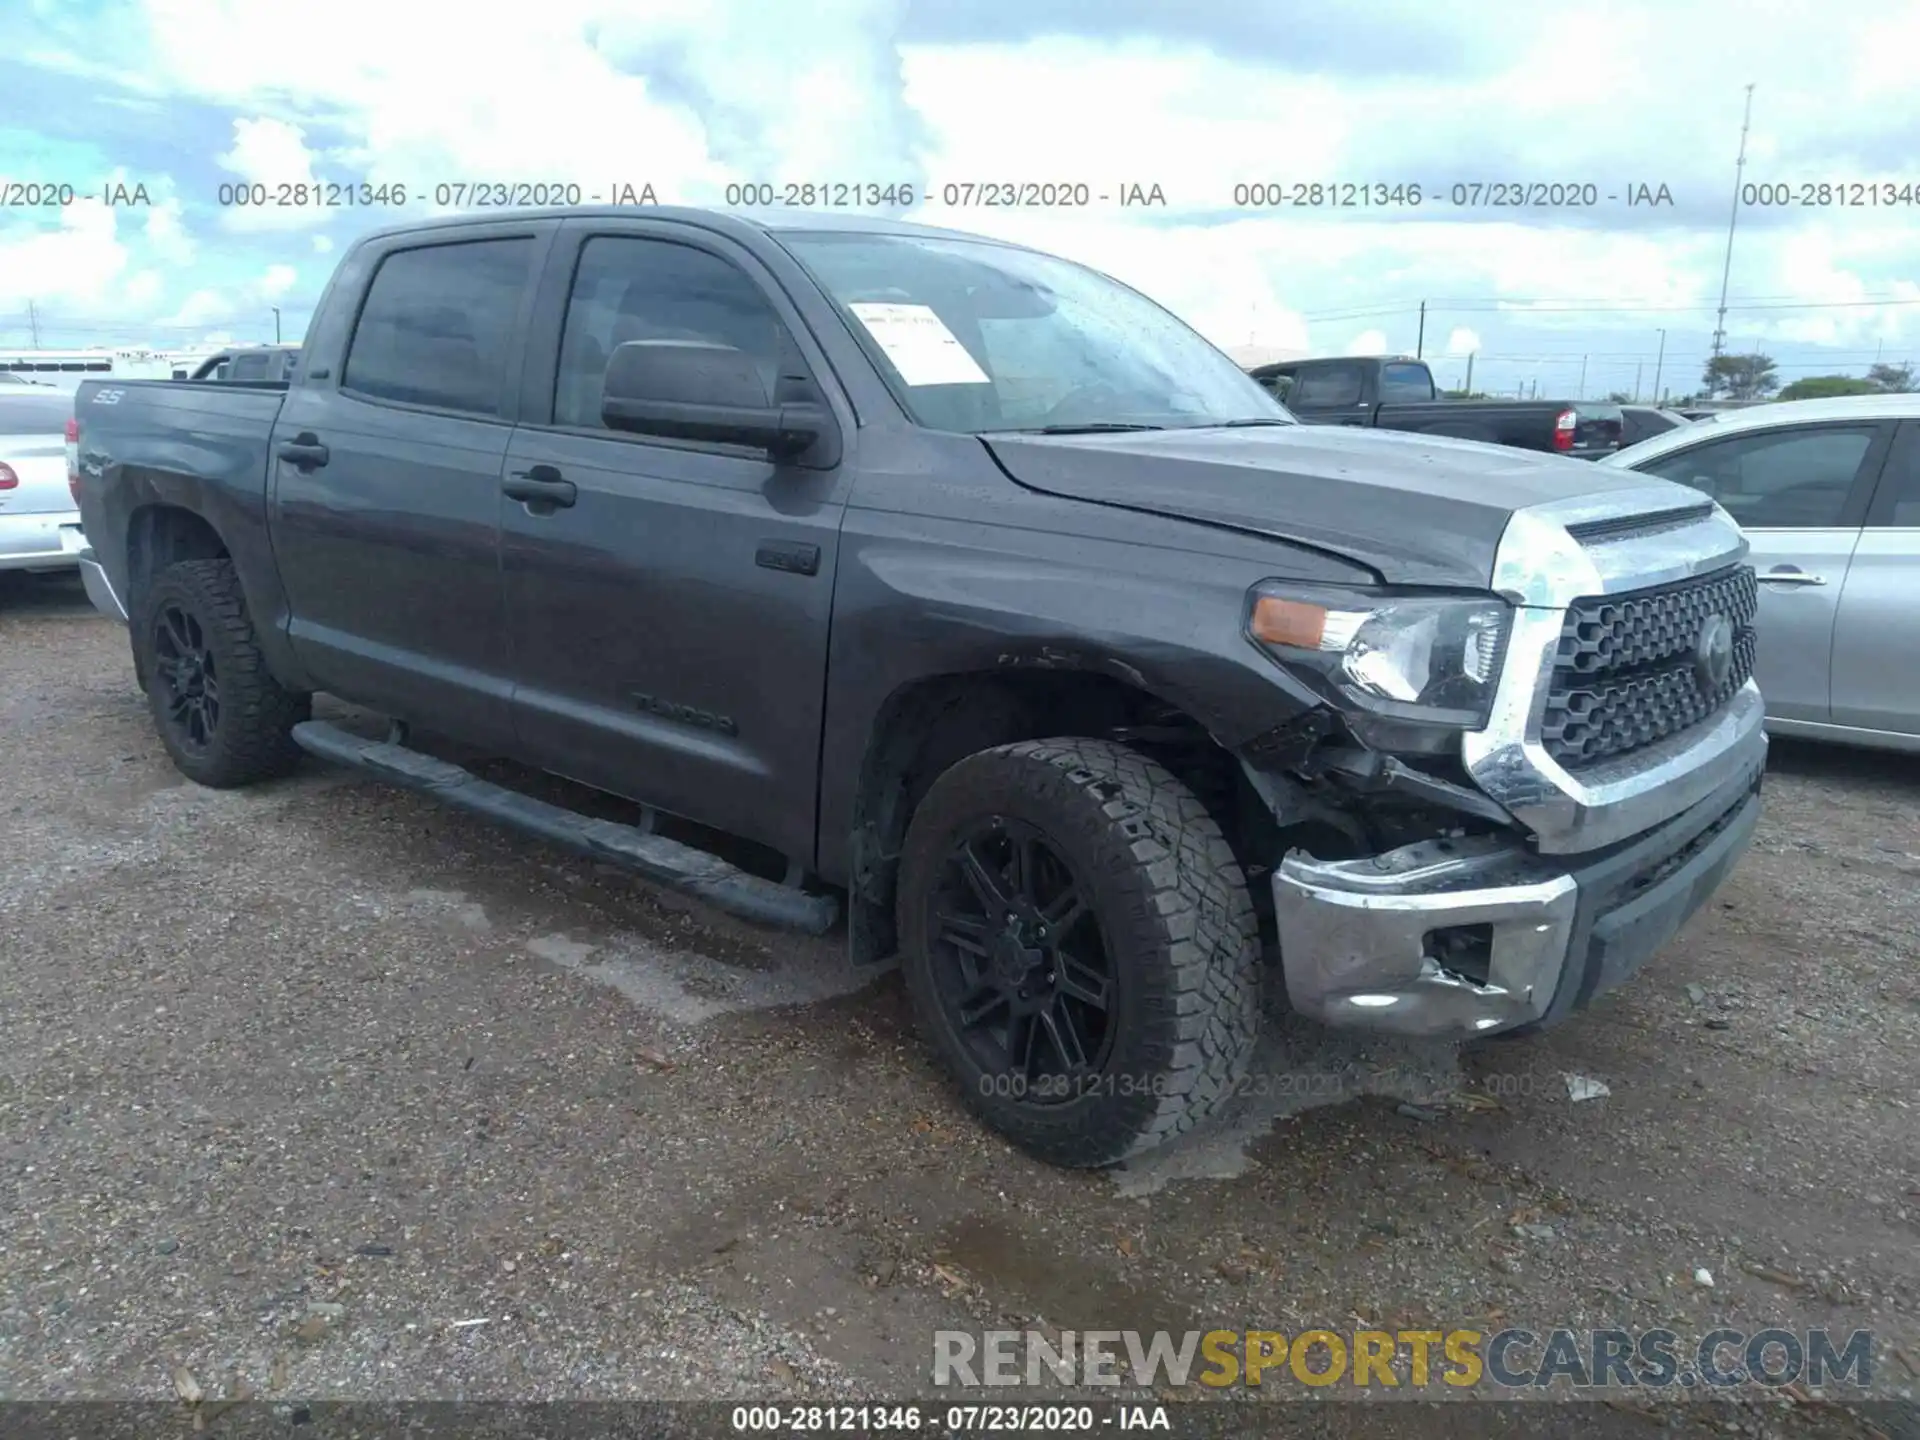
(1198, 97)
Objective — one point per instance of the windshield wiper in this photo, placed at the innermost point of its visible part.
(1243, 424)
(1091, 427)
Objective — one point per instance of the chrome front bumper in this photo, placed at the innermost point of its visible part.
(1466, 937)
(1357, 937)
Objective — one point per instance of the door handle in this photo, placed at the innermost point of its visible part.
(541, 485)
(304, 451)
(1790, 577)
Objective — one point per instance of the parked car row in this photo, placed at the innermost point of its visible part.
(1397, 392)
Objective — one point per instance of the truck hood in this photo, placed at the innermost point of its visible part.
(1416, 509)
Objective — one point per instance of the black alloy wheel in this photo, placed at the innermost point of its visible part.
(1022, 969)
(1079, 945)
(188, 676)
(222, 716)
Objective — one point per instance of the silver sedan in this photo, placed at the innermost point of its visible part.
(39, 520)
(1828, 492)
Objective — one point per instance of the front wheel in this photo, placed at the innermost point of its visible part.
(223, 718)
(1080, 947)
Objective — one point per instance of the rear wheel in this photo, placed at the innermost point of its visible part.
(1080, 947)
(223, 718)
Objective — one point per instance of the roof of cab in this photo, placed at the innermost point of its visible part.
(724, 222)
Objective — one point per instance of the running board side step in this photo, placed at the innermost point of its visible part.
(665, 862)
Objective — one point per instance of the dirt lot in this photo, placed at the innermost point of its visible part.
(298, 1085)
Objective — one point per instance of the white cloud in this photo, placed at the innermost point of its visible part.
(267, 156)
(166, 235)
(1367, 342)
(143, 289)
(278, 280)
(202, 307)
(690, 94)
(78, 261)
(268, 152)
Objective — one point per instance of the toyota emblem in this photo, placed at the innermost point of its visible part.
(1713, 653)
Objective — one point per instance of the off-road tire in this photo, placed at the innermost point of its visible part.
(251, 740)
(1172, 902)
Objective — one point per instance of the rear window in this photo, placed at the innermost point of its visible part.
(30, 413)
(1403, 384)
(438, 324)
(1327, 385)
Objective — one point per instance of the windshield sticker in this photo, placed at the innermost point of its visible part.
(919, 344)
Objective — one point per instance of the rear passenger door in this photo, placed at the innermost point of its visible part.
(386, 478)
(1876, 635)
(667, 625)
(1800, 492)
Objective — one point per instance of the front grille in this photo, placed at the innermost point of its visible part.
(1628, 671)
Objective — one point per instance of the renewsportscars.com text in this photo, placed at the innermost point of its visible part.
(1388, 1359)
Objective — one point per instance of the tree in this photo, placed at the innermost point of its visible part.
(1825, 387)
(1892, 379)
(1619, 397)
(1740, 377)
(1464, 394)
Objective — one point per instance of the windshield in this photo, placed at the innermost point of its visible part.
(977, 337)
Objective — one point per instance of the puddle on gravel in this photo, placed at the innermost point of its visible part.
(689, 989)
(1055, 1286)
(1297, 1067)
(452, 905)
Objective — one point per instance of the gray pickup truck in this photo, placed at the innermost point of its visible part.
(984, 602)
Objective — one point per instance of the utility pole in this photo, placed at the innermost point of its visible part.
(1469, 394)
(1583, 379)
(33, 324)
(1638, 366)
(1656, 367)
(1420, 345)
(276, 324)
(1739, 168)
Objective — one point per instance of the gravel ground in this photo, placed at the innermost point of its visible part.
(318, 1090)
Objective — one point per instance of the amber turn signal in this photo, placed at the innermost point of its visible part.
(1288, 622)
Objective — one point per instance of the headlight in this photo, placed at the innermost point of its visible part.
(1428, 659)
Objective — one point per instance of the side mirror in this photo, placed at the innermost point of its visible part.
(688, 390)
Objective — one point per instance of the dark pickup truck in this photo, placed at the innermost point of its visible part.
(964, 596)
(1398, 393)
(252, 363)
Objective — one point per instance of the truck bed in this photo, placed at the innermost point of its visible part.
(197, 445)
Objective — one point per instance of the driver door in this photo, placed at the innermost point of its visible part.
(1800, 493)
(667, 619)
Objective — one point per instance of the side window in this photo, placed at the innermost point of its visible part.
(1404, 384)
(438, 324)
(1327, 385)
(249, 367)
(628, 289)
(1897, 505)
(1778, 479)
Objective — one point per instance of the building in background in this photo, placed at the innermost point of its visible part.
(69, 367)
